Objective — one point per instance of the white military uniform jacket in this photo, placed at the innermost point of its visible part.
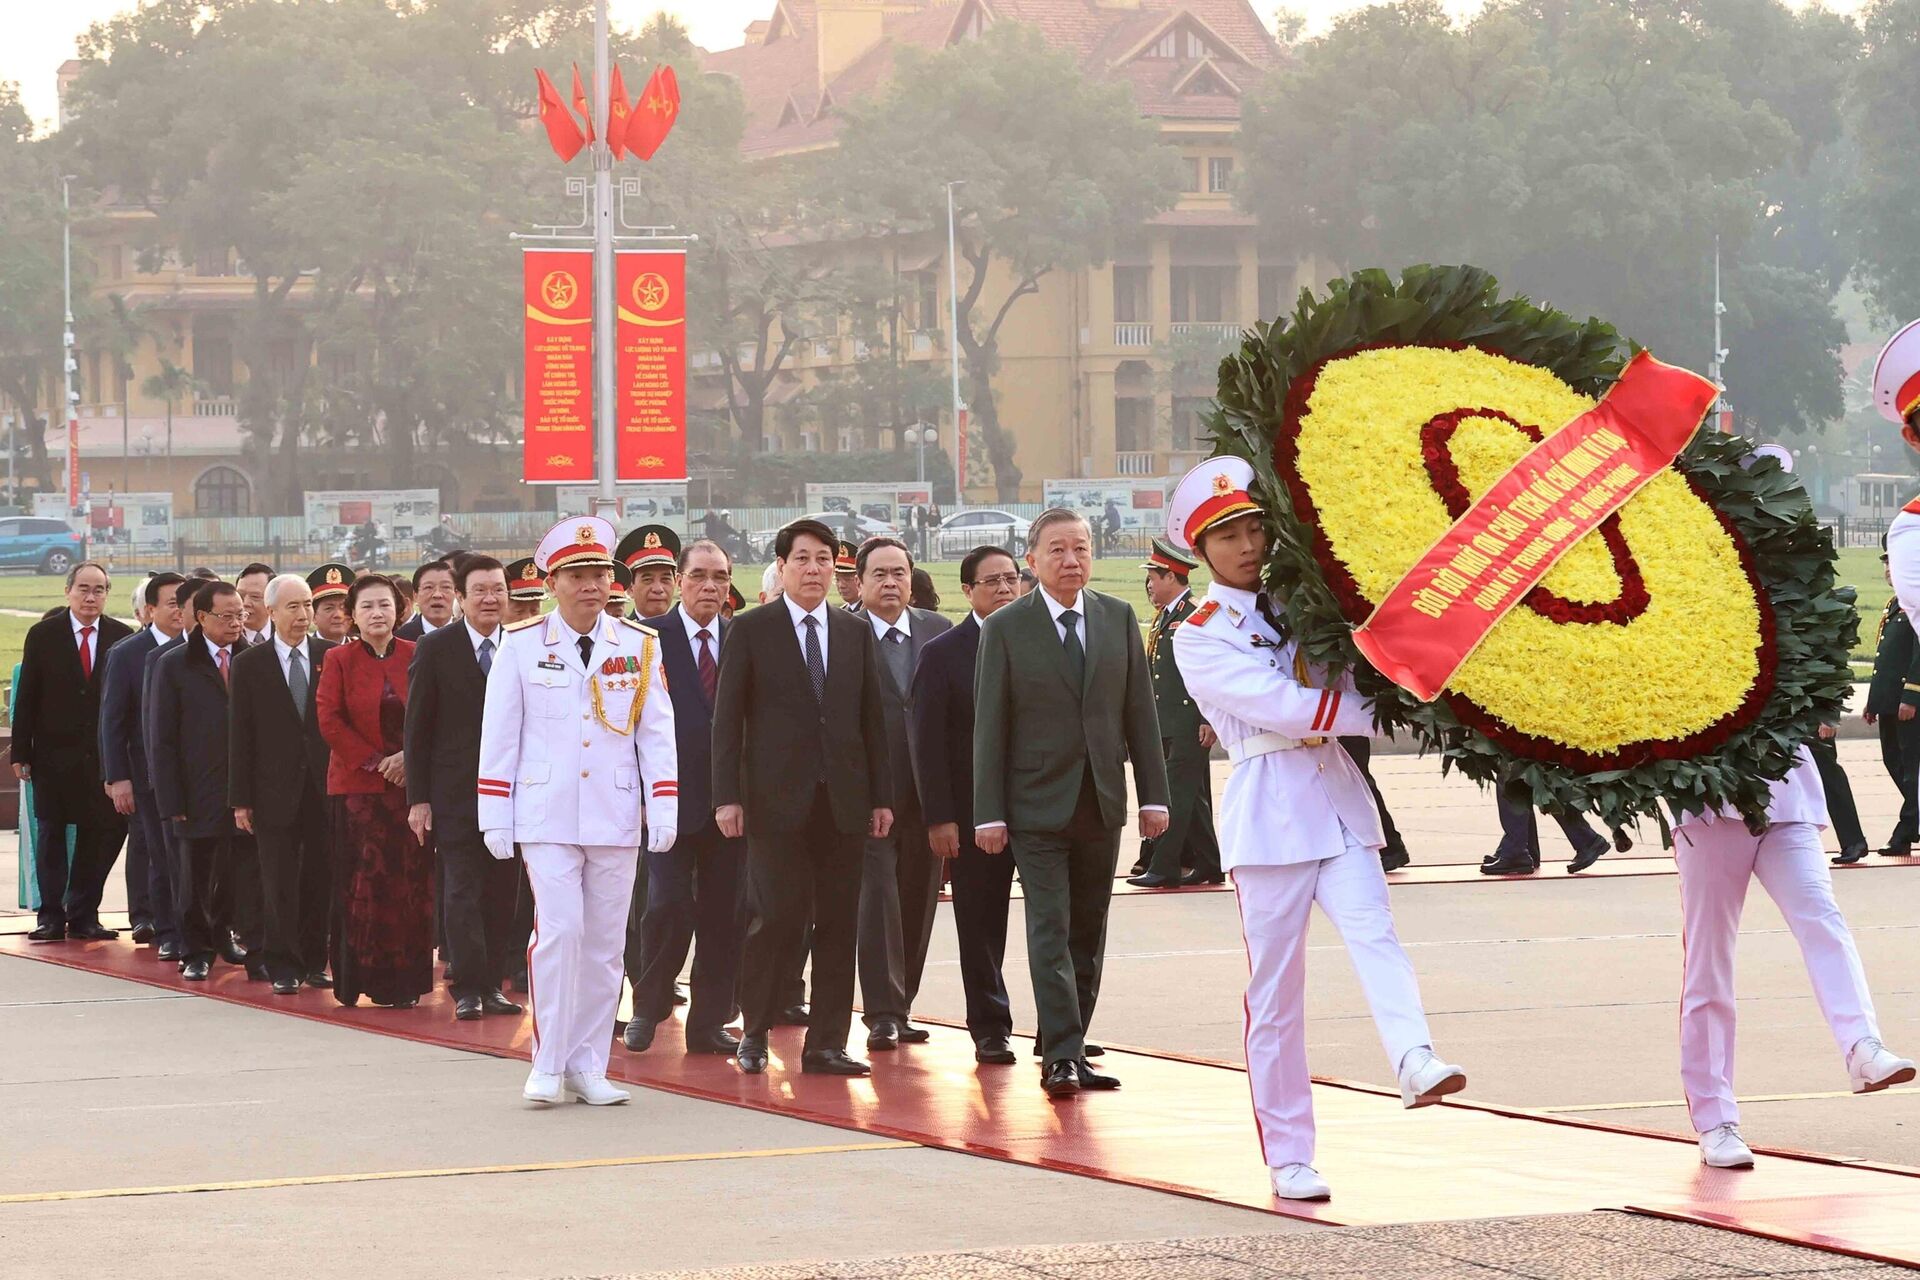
(1281, 806)
(1903, 559)
(564, 749)
(1798, 797)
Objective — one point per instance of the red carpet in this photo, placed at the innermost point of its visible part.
(1183, 1125)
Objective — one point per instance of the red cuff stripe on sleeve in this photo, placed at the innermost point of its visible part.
(1319, 712)
(1333, 710)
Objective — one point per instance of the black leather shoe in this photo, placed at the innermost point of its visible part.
(883, 1036)
(1897, 851)
(910, 1034)
(1152, 880)
(258, 973)
(1622, 842)
(1851, 854)
(1088, 1050)
(49, 933)
(1590, 855)
(1394, 857)
(1139, 868)
(168, 951)
(286, 986)
(1060, 1080)
(318, 978)
(408, 1003)
(1502, 867)
(142, 934)
(832, 1062)
(195, 970)
(468, 1009)
(519, 982)
(91, 933)
(233, 953)
(495, 1003)
(1193, 878)
(752, 1054)
(639, 1034)
(794, 1015)
(1091, 1079)
(994, 1051)
(717, 1041)
(679, 993)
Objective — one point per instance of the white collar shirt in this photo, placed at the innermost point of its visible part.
(474, 634)
(159, 637)
(284, 651)
(903, 624)
(1055, 609)
(216, 649)
(799, 615)
(711, 628)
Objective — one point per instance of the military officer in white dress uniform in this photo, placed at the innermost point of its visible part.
(1717, 856)
(1896, 393)
(1298, 826)
(577, 728)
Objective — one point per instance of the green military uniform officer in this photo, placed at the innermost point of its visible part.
(1185, 737)
(1893, 705)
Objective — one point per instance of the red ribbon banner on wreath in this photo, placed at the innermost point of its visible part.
(1560, 492)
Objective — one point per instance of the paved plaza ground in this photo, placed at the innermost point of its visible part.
(1558, 994)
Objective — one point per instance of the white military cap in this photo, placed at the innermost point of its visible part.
(575, 542)
(1896, 376)
(1215, 491)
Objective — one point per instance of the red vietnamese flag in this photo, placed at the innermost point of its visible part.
(617, 115)
(562, 132)
(654, 114)
(580, 102)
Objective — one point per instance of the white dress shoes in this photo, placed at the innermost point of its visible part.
(1424, 1079)
(1721, 1147)
(542, 1086)
(1872, 1066)
(1299, 1182)
(595, 1091)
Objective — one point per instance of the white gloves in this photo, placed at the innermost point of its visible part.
(499, 843)
(659, 839)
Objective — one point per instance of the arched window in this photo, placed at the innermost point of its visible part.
(222, 491)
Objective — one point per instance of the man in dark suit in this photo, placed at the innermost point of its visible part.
(800, 768)
(693, 889)
(434, 592)
(1063, 700)
(257, 627)
(123, 753)
(56, 742)
(187, 752)
(942, 714)
(446, 688)
(277, 784)
(1185, 737)
(900, 880)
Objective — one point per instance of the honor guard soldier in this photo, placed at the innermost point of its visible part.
(577, 729)
(846, 574)
(329, 584)
(526, 589)
(1298, 825)
(1185, 737)
(1893, 707)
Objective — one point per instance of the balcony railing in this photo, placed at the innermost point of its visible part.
(1132, 335)
(217, 407)
(1144, 463)
(1222, 330)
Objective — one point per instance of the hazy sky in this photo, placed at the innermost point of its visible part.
(40, 36)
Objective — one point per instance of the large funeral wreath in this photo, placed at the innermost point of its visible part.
(1682, 652)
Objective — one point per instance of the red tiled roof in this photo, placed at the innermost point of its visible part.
(1098, 37)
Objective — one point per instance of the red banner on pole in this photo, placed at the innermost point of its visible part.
(650, 365)
(73, 463)
(559, 366)
(1438, 613)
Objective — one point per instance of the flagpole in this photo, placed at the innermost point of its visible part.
(603, 304)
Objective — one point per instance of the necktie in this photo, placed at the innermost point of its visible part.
(586, 651)
(486, 656)
(1272, 619)
(220, 658)
(899, 661)
(297, 681)
(709, 669)
(816, 662)
(86, 653)
(1076, 655)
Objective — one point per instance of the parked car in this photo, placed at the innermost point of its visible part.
(834, 520)
(40, 543)
(962, 531)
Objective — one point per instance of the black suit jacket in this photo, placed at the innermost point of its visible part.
(445, 693)
(924, 626)
(772, 741)
(56, 715)
(692, 717)
(942, 713)
(123, 746)
(275, 758)
(187, 747)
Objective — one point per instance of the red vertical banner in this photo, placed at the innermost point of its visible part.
(73, 463)
(559, 366)
(650, 365)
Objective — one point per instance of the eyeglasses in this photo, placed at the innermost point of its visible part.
(226, 617)
(998, 580)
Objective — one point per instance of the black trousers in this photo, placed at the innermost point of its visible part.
(1067, 877)
(296, 892)
(137, 869)
(1189, 839)
(201, 872)
(520, 932)
(1360, 747)
(1900, 752)
(1841, 810)
(479, 898)
(70, 890)
(165, 914)
(981, 885)
(693, 899)
(794, 876)
(1520, 830)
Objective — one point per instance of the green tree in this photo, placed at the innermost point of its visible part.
(171, 385)
(1055, 169)
(30, 314)
(1886, 120)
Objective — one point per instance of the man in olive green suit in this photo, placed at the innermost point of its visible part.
(1185, 737)
(1062, 700)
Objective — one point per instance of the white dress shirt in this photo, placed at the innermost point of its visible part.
(713, 634)
(427, 628)
(215, 650)
(474, 635)
(903, 624)
(90, 643)
(284, 652)
(795, 612)
(159, 636)
(255, 637)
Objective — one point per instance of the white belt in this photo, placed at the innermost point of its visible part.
(1265, 744)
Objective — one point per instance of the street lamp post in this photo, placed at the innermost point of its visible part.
(953, 351)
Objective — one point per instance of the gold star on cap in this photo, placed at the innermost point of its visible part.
(583, 534)
(1222, 485)
(333, 576)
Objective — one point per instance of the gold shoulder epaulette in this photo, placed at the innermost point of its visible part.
(524, 623)
(1204, 614)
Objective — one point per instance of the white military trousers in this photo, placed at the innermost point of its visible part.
(1275, 905)
(1716, 860)
(581, 894)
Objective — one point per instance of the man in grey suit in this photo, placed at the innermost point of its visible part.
(1063, 699)
(900, 881)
